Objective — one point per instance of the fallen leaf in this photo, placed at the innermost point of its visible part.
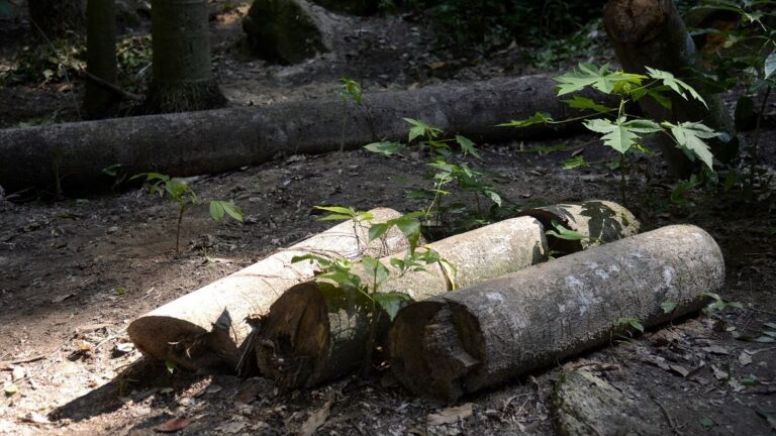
(61, 298)
(10, 389)
(124, 348)
(316, 419)
(744, 358)
(768, 417)
(450, 415)
(35, 418)
(716, 349)
(736, 385)
(213, 389)
(231, 427)
(684, 372)
(172, 425)
(719, 374)
(18, 373)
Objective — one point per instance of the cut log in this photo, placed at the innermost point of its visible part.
(464, 341)
(204, 329)
(211, 141)
(651, 33)
(317, 332)
(596, 221)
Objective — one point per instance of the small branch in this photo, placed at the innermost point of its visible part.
(110, 86)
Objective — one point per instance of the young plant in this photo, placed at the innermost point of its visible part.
(620, 130)
(179, 192)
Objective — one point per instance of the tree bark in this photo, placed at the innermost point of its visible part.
(74, 154)
(182, 78)
(56, 18)
(651, 33)
(100, 101)
(203, 330)
(317, 332)
(465, 341)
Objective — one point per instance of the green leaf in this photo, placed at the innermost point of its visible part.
(338, 213)
(420, 129)
(171, 366)
(378, 230)
(232, 210)
(621, 135)
(387, 148)
(391, 302)
(632, 322)
(561, 232)
(575, 162)
(668, 306)
(494, 197)
(216, 211)
(376, 270)
(769, 66)
(579, 102)
(675, 84)
(467, 146)
(537, 118)
(690, 136)
(600, 78)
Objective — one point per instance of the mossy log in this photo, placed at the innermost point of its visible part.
(595, 221)
(73, 155)
(483, 336)
(651, 33)
(317, 332)
(204, 329)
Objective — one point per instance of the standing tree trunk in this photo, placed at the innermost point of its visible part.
(182, 77)
(55, 18)
(651, 33)
(101, 57)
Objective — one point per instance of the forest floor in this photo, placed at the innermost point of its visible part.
(75, 272)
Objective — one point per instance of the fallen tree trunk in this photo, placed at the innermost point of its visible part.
(651, 33)
(205, 328)
(73, 155)
(595, 222)
(464, 341)
(316, 332)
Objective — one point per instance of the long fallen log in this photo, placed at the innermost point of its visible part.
(464, 341)
(74, 154)
(317, 332)
(204, 329)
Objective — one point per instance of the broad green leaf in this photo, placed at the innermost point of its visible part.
(632, 322)
(337, 209)
(537, 118)
(690, 136)
(216, 211)
(377, 230)
(232, 210)
(574, 162)
(621, 135)
(377, 271)
(561, 232)
(467, 146)
(600, 78)
(660, 98)
(668, 306)
(494, 197)
(675, 84)
(391, 302)
(335, 217)
(387, 148)
(579, 102)
(420, 129)
(769, 66)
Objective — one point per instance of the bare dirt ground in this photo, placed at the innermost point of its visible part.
(75, 272)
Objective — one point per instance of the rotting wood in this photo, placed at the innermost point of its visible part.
(596, 221)
(317, 332)
(545, 313)
(184, 144)
(651, 33)
(204, 329)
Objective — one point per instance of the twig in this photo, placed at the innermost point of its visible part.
(110, 86)
(8, 363)
(671, 422)
(67, 76)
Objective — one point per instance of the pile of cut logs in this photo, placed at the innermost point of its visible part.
(521, 298)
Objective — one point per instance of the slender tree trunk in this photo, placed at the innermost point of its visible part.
(182, 77)
(101, 57)
(56, 18)
(651, 33)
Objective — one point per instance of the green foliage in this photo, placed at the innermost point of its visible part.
(620, 130)
(133, 55)
(718, 304)
(668, 306)
(633, 323)
(561, 232)
(180, 193)
(55, 62)
(351, 90)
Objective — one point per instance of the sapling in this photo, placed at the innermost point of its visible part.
(179, 192)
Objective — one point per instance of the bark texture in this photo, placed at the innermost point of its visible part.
(220, 140)
(285, 31)
(651, 33)
(597, 221)
(205, 328)
(317, 332)
(101, 57)
(551, 311)
(182, 77)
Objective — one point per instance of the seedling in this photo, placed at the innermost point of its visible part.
(184, 197)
